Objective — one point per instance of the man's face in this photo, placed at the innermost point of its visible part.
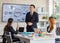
(32, 9)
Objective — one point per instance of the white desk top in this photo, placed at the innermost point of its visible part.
(38, 38)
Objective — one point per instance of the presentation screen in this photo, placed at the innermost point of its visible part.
(16, 11)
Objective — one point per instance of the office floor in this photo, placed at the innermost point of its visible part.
(0, 42)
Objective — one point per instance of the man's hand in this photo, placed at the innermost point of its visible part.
(30, 23)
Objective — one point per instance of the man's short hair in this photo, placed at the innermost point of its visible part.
(32, 5)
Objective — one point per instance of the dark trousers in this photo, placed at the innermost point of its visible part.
(4, 40)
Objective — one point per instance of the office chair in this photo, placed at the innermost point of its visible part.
(58, 31)
(57, 40)
(9, 39)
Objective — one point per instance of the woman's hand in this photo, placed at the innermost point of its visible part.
(17, 28)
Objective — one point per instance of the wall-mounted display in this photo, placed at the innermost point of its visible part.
(15, 11)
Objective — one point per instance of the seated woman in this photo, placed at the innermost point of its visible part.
(52, 27)
(9, 28)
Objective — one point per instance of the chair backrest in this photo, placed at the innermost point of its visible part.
(9, 38)
(21, 29)
(58, 31)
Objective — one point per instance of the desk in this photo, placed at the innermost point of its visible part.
(26, 39)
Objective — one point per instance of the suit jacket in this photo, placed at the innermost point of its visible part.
(31, 18)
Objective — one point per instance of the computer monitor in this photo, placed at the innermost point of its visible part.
(21, 29)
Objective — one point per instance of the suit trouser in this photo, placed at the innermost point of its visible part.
(4, 40)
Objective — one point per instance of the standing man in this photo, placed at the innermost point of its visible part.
(31, 19)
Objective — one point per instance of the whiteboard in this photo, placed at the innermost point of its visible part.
(16, 11)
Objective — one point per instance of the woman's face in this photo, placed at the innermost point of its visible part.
(12, 23)
(49, 21)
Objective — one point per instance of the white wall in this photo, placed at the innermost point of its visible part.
(37, 3)
(50, 7)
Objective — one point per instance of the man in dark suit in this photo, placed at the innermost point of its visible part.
(31, 19)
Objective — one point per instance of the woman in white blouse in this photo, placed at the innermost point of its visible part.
(52, 27)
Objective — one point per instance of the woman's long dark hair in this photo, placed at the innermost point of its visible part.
(10, 20)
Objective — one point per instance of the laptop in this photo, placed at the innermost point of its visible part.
(21, 29)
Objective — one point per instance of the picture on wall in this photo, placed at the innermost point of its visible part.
(15, 11)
